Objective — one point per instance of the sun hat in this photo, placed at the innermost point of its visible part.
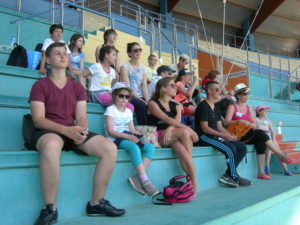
(241, 87)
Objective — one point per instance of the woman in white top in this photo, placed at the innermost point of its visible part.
(134, 74)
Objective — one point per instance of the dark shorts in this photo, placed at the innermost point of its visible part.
(68, 143)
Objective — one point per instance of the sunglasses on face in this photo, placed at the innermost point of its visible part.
(137, 50)
(123, 96)
(173, 86)
(216, 89)
(245, 94)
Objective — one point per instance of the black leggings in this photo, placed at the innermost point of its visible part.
(140, 108)
(258, 138)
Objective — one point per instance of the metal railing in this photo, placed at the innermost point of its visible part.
(155, 25)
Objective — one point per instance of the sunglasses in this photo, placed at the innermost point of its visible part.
(245, 94)
(216, 89)
(137, 50)
(123, 96)
(173, 86)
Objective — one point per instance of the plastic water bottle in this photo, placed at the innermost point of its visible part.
(12, 41)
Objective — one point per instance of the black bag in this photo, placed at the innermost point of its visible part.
(27, 130)
(18, 57)
(38, 48)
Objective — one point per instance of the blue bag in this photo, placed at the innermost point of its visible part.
(34, 58)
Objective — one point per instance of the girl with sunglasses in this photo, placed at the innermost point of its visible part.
(242, 112)
(120, 129)
(165, 114)
(133, 73)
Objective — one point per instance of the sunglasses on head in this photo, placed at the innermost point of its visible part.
(137, 50)
(123, 96)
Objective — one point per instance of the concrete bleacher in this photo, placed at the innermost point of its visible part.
(77, 170)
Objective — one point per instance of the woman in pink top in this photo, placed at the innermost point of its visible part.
(243, 113)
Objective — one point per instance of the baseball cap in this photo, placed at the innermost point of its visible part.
(163, 69)
(260, 107)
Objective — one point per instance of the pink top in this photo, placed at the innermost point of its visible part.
(239, 116)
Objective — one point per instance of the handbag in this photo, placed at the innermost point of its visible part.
(239, 129)
(27, 130)
(177, 191)
(150, 133)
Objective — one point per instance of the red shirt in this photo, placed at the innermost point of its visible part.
(60, 104)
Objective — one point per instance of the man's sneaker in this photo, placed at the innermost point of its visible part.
(47, 216)
(243, 181)
(149, 189)
(227, 180)
(136, 184)
(104, 208)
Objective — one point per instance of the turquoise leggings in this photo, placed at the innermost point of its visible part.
(135, 152)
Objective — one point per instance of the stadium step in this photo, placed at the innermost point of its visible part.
(20, 171)
(259, 204)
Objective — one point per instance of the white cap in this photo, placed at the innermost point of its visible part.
(185, 57)
(121, 85)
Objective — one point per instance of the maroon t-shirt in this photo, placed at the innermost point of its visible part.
(60, 104)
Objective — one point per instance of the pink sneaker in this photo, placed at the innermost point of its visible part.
(136, 184)
(287, 160)
(263, 177)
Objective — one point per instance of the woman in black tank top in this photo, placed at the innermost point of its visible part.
(166, 116)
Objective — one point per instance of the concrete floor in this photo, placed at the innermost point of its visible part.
(214, 206)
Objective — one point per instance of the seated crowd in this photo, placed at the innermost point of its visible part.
(160, 98)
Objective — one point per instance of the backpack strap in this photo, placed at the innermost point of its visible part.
(177, 178)
(159, 201)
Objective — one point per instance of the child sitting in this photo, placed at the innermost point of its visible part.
(266, 125)
(56, 34)
(120, 129)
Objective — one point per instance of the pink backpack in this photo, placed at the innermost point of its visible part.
(177, 191)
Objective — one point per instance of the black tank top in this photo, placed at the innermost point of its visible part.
(161, 125)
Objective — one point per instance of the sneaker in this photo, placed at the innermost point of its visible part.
(243, 181)
(263, 177)
(267, 171)
(47, 216)
(287, 173)
(227, 180)
(149, 189)
(285, 159)
(136, 184)
(104, 208)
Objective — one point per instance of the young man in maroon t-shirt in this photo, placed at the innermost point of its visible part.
(58, 107)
